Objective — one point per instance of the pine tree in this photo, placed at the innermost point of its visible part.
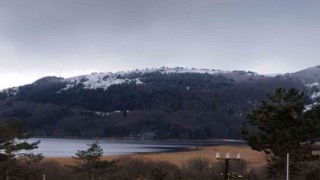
(14, 149)
(90, 162)
(280, 128)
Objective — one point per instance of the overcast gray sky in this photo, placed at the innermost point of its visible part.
(73, 37)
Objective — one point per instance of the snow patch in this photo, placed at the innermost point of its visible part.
(100, 80)
(271, 75)
(105, 114)
(313, 85)
(166, 70)
(310, 106)
(105, 80)
(315, 95)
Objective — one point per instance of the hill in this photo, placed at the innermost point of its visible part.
(167, 102)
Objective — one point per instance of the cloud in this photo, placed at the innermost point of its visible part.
(58, 36)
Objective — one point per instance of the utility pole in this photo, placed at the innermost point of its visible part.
(226, 159)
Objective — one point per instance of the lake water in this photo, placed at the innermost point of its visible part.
(62, 147)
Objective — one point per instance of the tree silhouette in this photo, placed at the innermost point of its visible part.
(281, 128)
(14, 149)
(90, 162)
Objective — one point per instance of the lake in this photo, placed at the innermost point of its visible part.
(63, 147)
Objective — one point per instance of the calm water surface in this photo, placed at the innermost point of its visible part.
(61, 147)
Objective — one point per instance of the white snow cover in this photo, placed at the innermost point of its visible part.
(315, 95)
(99, 80)
(105, 80)
(310, 106)
(272, 75)
(316, 84)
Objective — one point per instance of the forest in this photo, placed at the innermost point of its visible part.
(171, 105)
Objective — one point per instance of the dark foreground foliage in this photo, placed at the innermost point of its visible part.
(14, 155)
(193, 169)
(90, 163)
(140, 169)
(283, 126)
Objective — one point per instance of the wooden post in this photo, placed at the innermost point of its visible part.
(226, 169)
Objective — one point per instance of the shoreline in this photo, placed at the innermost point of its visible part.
(138, 139)
(253, 158)
(65, 147)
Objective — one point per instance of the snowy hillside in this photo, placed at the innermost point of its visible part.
(98, 80)
(315, 89)
(172, 102)
(105, 80)
(309, 77)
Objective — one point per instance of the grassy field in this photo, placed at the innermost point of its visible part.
(253, 158)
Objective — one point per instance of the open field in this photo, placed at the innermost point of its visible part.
(253, 158)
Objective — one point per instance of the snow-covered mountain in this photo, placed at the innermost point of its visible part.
(309, 77)
(173, 102)
(104, 80)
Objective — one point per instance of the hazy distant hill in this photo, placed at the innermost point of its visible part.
(171, 102)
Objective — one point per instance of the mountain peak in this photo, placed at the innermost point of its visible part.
(48, 80)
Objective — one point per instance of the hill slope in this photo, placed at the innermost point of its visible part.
(169, 102)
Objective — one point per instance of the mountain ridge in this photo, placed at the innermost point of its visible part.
(311, 71)
(170, 102)
(95, 76)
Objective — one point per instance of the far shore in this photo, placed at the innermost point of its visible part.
(129, 138)
(253, 158)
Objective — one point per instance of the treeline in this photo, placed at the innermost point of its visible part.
(52, 120)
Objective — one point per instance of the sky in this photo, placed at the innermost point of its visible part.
(67, 38)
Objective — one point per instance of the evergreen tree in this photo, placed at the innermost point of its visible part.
(280, 128)
(91, 163)
(14, 149)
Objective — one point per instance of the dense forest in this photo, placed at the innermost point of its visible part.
(187, 105)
